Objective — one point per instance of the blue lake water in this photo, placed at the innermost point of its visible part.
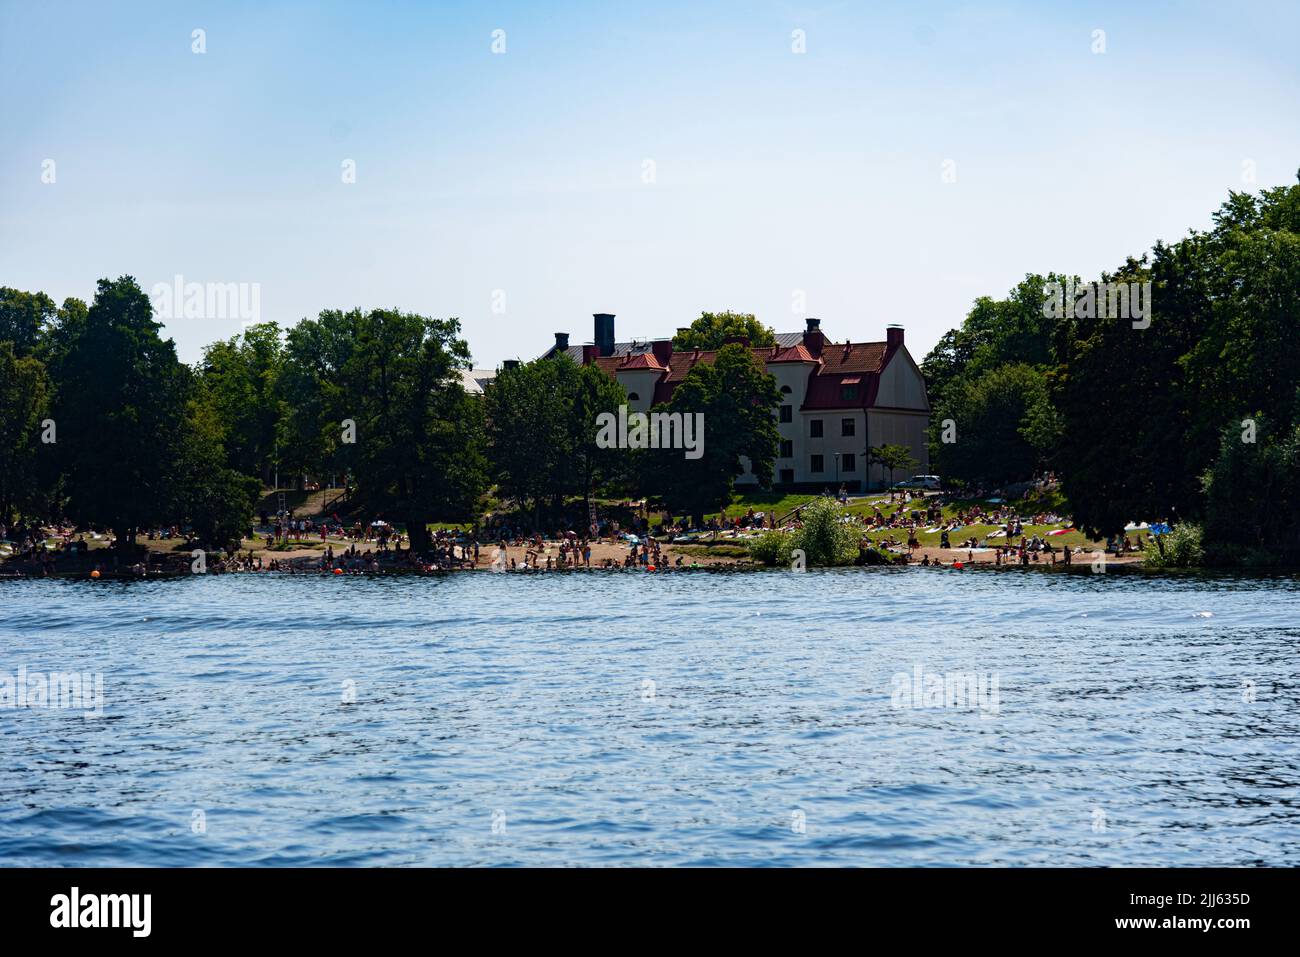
(698, 718)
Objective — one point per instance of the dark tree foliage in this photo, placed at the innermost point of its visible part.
(1136, 416)
(738, 400)
(1251, 489)
(379, 394)
(1005, 425)
(118, 411)
(1144, 411)
(24, 319)
(24, 399)
(212, 500)
(241, 378)
(987, 382)
(541, 422)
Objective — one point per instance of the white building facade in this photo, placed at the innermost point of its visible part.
(837, 399)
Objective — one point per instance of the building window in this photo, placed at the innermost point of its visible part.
(787, 449)
(787, 476)
(787, 413)
(848, 462)
(633, 397)
(847, 427)
(785, 389)
(815, 428)
(848, 393)
(818, 465)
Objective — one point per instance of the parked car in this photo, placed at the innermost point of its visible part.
(929, 483)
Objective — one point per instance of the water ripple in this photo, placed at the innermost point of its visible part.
(706, 718)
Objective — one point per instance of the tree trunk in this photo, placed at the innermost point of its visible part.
(418, 534)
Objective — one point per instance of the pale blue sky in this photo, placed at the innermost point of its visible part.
(522, 171)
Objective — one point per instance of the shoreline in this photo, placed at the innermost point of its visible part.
(606, 555)
(730, 567)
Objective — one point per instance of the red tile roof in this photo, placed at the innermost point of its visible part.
(640, 360)
(853, 357)
(793, 354)
(840, 364)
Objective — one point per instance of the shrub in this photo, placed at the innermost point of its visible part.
(1249, 489)
(825, 538)
(772, 547)
(1181, 548)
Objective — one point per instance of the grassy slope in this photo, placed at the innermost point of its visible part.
(783, 503)
(1026, 508)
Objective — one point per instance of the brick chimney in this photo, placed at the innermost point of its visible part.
(663, 350)
(510, 364)
(813, 340)
(893, 336)
(561, 341)
(589, 354)
(604, 332)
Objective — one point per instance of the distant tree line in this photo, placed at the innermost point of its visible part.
(102, 424)
(1190, 414)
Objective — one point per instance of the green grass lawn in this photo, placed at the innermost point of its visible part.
(292, 546)
(782, 503)
(1050, 503)
(862, 506)
(979, 531)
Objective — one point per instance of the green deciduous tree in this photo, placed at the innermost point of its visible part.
(996, 332)
(542, 431)
(593, 393)
(1251, 491)
(119, 410)
(738, 400)
(24, 319)
(892, 458)
(1144, 409)
(1005, 426)
(241, 379)
(379, 393)
(525, 413)
(213, 500)
(23, 402)
(713, 329)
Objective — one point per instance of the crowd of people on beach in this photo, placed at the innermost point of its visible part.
(375, 546)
